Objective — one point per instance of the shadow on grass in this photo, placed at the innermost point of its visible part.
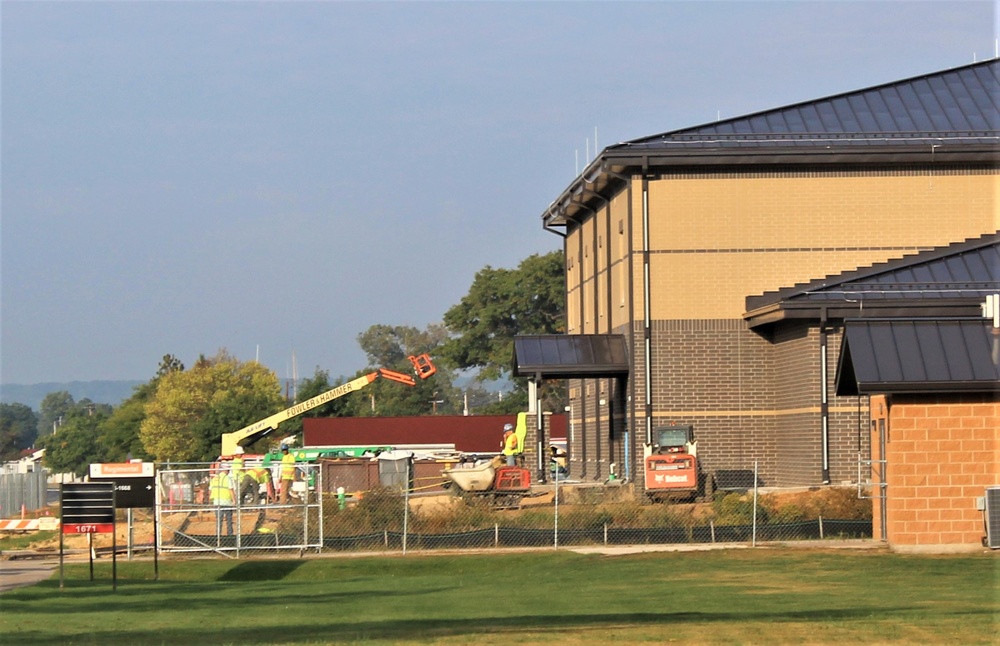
(473, 627)
(261, 570)
(85, 598)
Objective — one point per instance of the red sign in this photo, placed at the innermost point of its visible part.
(88, 528)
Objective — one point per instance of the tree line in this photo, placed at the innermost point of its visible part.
(180, 414)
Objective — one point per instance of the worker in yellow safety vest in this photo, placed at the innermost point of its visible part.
(260, 476)
(509, 444)
(237, 464)
(287, 473)
(220, 492)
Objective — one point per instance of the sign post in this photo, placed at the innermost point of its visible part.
(135, 486)
(88, 508)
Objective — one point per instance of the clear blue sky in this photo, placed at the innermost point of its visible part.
(274, 178)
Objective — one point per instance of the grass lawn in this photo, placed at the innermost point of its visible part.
(760, 596)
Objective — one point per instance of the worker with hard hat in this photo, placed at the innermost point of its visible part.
(287, 473)
(220, 492)
(509, 444)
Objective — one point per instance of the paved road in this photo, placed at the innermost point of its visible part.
(14, 574)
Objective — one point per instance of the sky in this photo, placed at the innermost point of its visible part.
(273, 178)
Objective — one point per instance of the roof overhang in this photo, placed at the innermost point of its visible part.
(925, 356)
(603, 178)
(571, 356)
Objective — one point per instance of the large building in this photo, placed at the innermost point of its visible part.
(698, 250)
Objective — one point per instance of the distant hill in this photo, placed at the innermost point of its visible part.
(100, 392)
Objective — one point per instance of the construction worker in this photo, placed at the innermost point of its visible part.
(236, 471)
(256, 477)
(287, 473)
(509, 444)
(220, 492)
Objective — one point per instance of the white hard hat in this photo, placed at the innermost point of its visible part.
(238, 450)
(508, 427)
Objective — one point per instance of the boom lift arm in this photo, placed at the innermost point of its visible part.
(422, 365)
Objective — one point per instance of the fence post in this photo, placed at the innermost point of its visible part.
(711, 526)
(555, 537)
(821, 527)
(753, 542)
(496, 535)
(406, 504)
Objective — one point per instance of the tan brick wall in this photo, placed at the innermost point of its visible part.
(942, 453)
(717, 239)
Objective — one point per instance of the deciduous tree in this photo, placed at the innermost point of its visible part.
(18, 429)
(191, 409)
(501, 304)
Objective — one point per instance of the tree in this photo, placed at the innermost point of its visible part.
(311, 387)
(119, 434)
(191, 409)
(74, 445)
(18, 429)
(389, 347)
(53, 410)
(501, 304)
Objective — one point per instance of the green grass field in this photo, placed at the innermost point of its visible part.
(761, 596)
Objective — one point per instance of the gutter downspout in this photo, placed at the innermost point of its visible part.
(824, 406)
(647, 312)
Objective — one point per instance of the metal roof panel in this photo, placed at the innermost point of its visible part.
(918, 356)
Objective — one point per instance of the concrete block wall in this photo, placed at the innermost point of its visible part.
(942, 452)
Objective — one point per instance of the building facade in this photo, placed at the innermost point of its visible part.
(674, 242)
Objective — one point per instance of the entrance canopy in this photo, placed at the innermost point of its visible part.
(571, 356)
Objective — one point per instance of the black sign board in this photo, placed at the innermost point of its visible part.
(88, 508)
(132, 492)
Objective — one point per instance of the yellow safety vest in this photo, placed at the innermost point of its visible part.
(510, 445)
(237, 468)
(221, 489)
(288, 466)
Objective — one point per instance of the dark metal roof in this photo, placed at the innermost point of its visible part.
(936, 281)
(919, 356)
(958, 104)
(951, 116)
(571, 356)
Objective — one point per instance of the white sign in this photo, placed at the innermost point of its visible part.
(122, 470)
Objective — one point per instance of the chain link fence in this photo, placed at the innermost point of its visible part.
(216, 508)
(396, 505)
(22, 492)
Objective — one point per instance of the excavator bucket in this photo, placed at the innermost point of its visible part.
(423, 365)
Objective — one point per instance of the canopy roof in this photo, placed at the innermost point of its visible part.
(571, 356)
(919, 356)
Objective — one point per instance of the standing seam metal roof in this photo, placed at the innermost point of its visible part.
(969, 269)
(919, 356)
(961, 103)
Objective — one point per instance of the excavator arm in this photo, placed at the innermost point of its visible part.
(422, 365)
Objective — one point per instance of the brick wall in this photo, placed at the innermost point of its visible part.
(716, 238)
(942, 452)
